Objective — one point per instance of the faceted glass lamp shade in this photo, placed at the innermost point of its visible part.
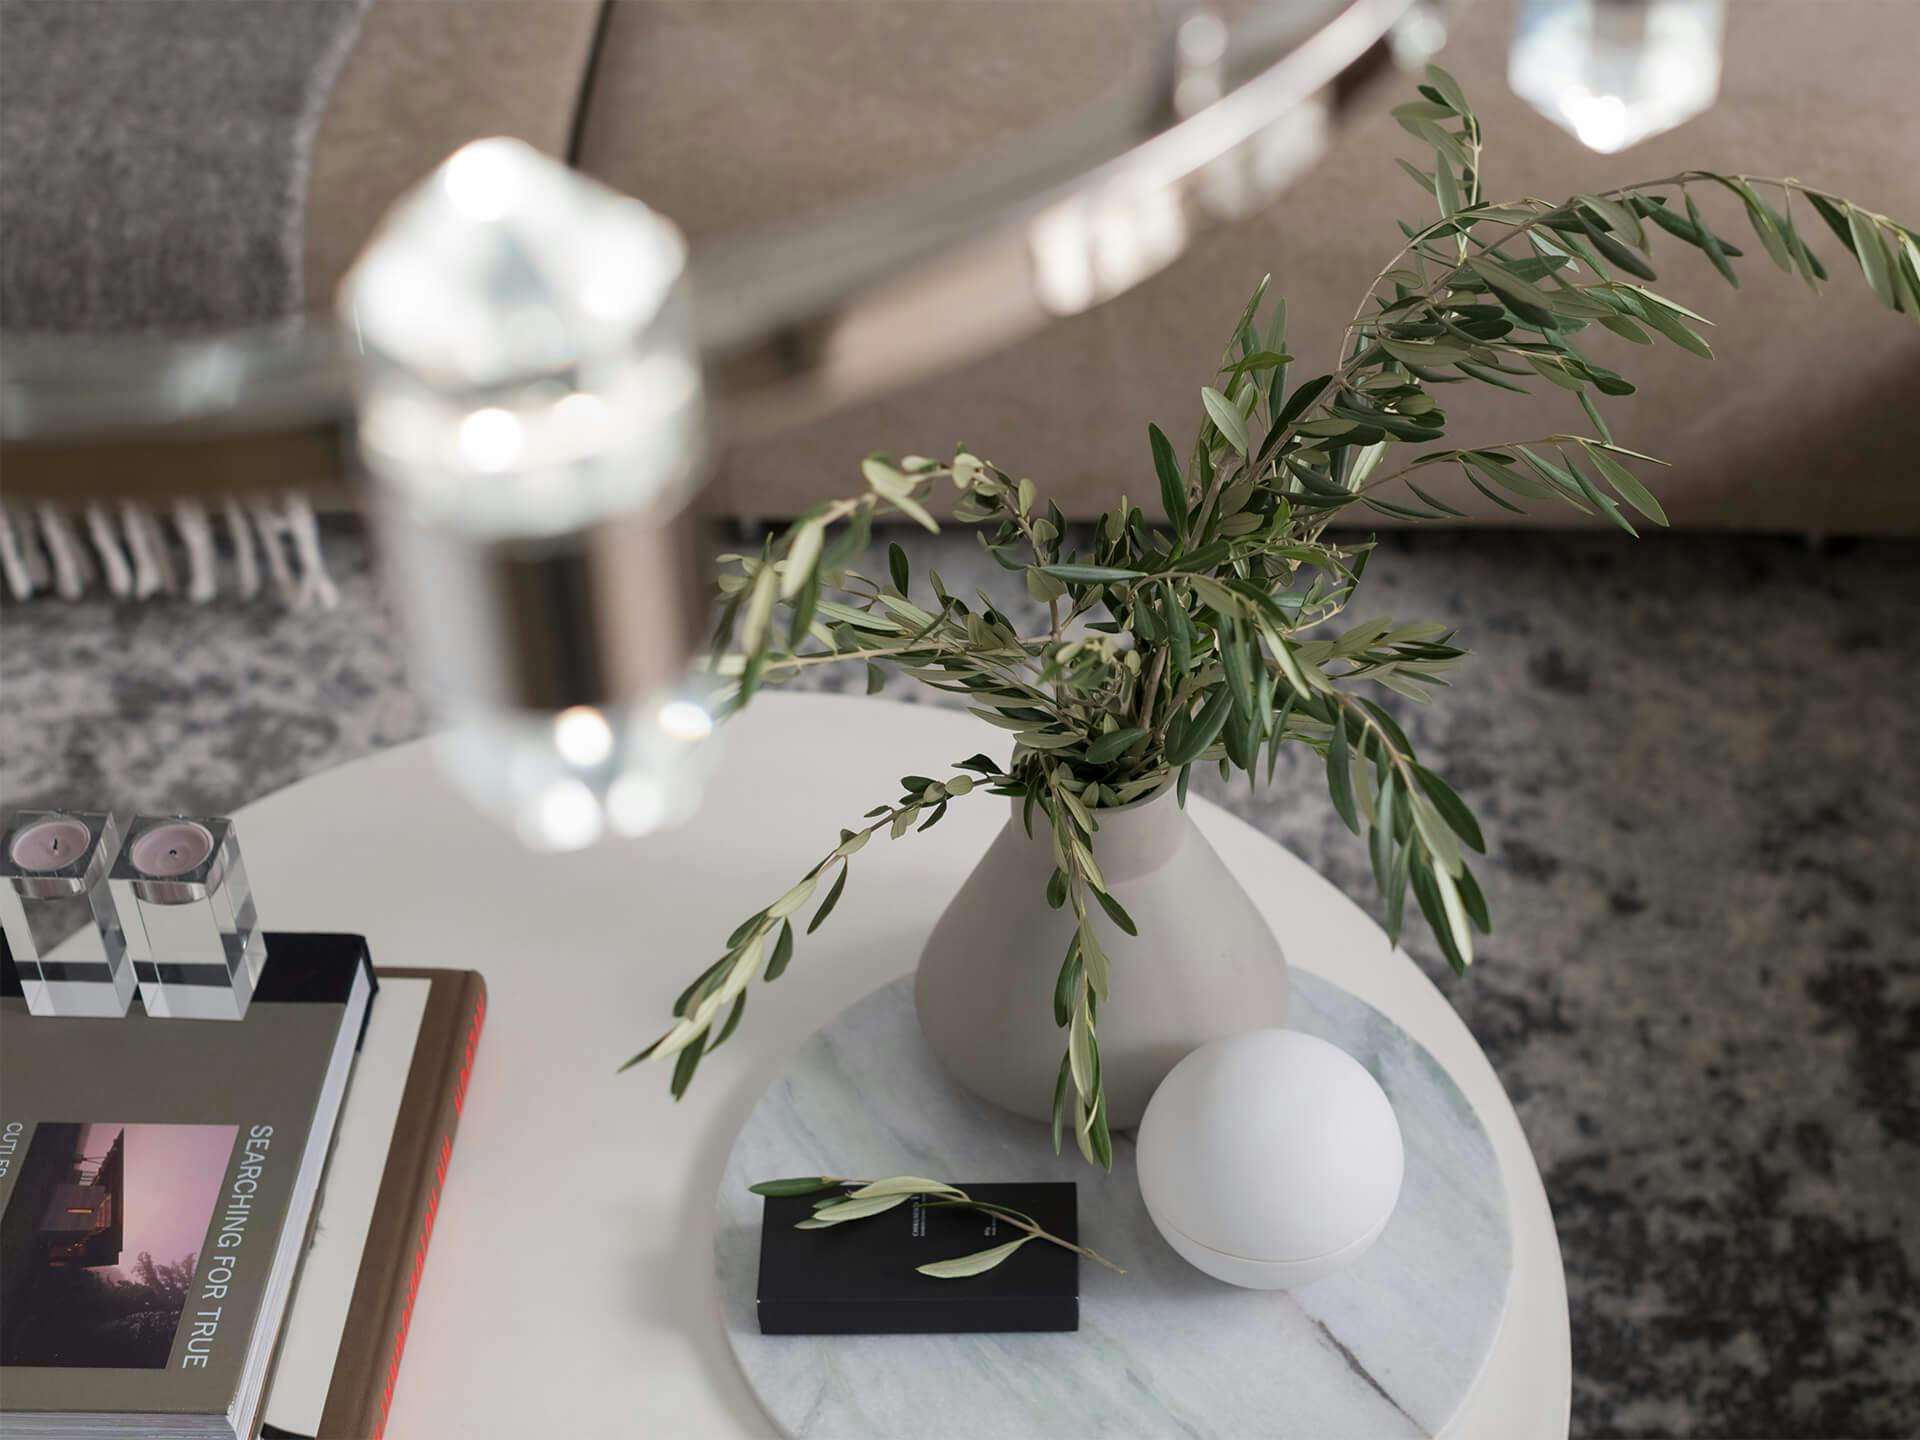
(58, 915)
(531, 408)
(188, 914)
(1616, 72)
(525, 346)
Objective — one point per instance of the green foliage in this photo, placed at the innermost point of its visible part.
(1218, 632)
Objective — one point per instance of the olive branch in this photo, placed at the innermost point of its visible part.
(860, 1199)
(1209, 633)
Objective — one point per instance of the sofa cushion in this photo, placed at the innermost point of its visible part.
(426, 77)
(729, 113)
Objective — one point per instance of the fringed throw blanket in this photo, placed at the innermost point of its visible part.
(154, 182)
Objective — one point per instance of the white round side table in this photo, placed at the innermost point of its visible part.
(570, 1289)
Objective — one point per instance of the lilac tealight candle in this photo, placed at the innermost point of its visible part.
(61, 926)
(171, 848)
(189, 919)
(51, 844)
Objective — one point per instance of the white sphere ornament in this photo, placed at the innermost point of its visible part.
(1270, 1159)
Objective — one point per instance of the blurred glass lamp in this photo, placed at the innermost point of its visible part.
(531, 403)
(1615, 72)
(530, 385)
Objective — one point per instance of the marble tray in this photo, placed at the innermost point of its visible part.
(1390, 1347)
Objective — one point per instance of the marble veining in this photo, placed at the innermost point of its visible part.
(1387, 1348)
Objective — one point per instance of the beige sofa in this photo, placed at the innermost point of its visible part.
(735, 113)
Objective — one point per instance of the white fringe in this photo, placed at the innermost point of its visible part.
(106, 544)
(316, 586)
(131, 550)
(151, 572)
(196, 534)
(13, 560)
(39, 574)
(240, 536)
(65, 549)
(270, 528)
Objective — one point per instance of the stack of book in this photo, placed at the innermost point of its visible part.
(164, 1182)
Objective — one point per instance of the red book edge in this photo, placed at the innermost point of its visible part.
(380, 1314)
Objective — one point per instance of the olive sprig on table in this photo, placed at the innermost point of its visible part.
(860, 1199)
(1214, 632)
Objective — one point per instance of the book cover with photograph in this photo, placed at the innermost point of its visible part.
(101, 1240)
(156, 1181)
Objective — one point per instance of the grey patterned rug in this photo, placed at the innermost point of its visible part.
(1695, 762)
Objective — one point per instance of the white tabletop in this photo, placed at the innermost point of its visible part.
(570, 1288)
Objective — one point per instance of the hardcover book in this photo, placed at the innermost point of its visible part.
(353, 1302)
(156, 1182)
(859, 1278)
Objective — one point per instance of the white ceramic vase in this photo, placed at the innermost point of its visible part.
(1204, 965)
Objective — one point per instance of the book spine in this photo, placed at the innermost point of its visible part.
(361, 1409)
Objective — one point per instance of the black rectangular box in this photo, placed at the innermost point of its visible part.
(858, 1278)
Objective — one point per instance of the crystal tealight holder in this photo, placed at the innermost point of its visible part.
(59, 918)
(188, 914)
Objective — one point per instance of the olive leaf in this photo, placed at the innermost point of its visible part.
(839, 1212)
(800, 1185)
(903, 1185)
(977, 1263)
